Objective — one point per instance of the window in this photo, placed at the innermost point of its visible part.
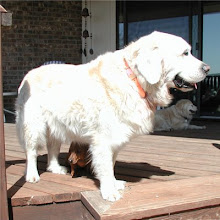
(210, 89)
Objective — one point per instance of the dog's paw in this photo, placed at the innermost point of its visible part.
(111, 195)
(110, 189)
(120, 184)
(33, 178)
(201, 127)
(57, 169)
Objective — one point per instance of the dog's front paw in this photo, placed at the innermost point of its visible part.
(120, 184)
(201, 127)
(57, 169)
(110, 189)
(111, 195)
(32, 178)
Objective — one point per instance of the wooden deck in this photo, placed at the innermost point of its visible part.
(170, 175)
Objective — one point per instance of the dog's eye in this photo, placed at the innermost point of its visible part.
(186, 53)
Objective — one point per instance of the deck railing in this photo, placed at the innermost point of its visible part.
(211, 82)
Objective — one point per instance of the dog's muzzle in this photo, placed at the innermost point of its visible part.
(180, 83)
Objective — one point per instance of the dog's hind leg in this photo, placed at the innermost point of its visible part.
(31, 166)
(53, 147)
(33, 139)
(31, 133)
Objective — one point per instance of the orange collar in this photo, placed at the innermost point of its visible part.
(133, 77)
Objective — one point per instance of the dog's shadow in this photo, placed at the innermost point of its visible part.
(129, 171)
(216, 145)
(134, 171)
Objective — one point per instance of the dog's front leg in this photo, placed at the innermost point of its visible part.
(73, 168)
(119, 184)
(196, 127)
(102, 163)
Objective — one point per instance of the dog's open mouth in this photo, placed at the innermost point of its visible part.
(180, 83)
(192, 111)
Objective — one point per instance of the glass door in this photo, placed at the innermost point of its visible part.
(210, 87)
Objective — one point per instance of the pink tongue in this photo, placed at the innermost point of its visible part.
(195, 86)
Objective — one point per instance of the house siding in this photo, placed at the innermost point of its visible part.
(41, 31)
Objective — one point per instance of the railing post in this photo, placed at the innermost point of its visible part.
(3, 184)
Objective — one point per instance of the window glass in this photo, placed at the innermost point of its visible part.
(177, 26)
(210, 87)
(211, 42)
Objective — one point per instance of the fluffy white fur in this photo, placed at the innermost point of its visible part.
(98, 104)
(176, 117)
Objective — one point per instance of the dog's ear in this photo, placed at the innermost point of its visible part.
(149, 64)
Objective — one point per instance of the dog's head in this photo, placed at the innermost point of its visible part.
(162, 61)
(78, 154)
(186, 108)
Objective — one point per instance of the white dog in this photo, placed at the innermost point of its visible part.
(104, 103)
(176, 117)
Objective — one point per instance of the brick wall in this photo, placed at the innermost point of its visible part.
(41, 31)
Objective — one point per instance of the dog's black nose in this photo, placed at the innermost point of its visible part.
(70, 160)
(206, 68)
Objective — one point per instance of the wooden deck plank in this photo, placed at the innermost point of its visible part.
(58, 194)
(164, 173)
(51, 184)
(175, 148)
(62, 190)
(27, 196)
(65, 180)
(153, 165)
(153, 146)
(173, 158)
(66, 211)
(148, 200)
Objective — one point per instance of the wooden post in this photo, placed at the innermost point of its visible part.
(3, 185)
